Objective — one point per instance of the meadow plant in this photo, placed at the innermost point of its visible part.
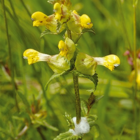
(70, 60)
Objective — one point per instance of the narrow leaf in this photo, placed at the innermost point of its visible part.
(46, 124)
(55, 75)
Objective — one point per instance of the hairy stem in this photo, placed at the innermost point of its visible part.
(77, 96)
(10, 55)
(76, 88)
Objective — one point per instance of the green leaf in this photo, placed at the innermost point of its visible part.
(24, 100)
(84, 108)
(6, 133)
(46, 124)
(46, 32)
(92, 120)
(69, 120)
(52, 1)
(93, 78)
(67, 136)
(55, 75)
(89, 30)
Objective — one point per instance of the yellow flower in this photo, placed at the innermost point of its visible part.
(40, 19)
(67, 48)
(87, 64)
(61, 12)
(56, 62)
(86, 21)
(34, 56)
(57, 10)
(109, 61)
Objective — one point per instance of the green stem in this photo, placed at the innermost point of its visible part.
(76, 88)
(77, 96)
(10, 55)
(135, 66)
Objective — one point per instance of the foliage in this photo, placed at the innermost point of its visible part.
(113, 27)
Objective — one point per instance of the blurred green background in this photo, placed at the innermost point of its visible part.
(113, 24)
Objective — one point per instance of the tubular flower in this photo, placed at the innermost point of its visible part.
(67, 48)
(34, 56)
(86, 21)
(109, 61)
(87, 64)
(56, 62)
(40, 19)
(61, 12)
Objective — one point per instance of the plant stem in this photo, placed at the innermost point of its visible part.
(10, 55)
(76, 88)
(135, 66)
(77, 96)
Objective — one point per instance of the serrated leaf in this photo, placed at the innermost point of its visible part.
(93, 78)
(84, 108)
(67, 136)
(24, 100)
(69, 120)
(55, 75)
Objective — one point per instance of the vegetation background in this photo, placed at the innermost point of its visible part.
(22, 85)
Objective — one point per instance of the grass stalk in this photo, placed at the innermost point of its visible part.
(135, 66)
(10, 55)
